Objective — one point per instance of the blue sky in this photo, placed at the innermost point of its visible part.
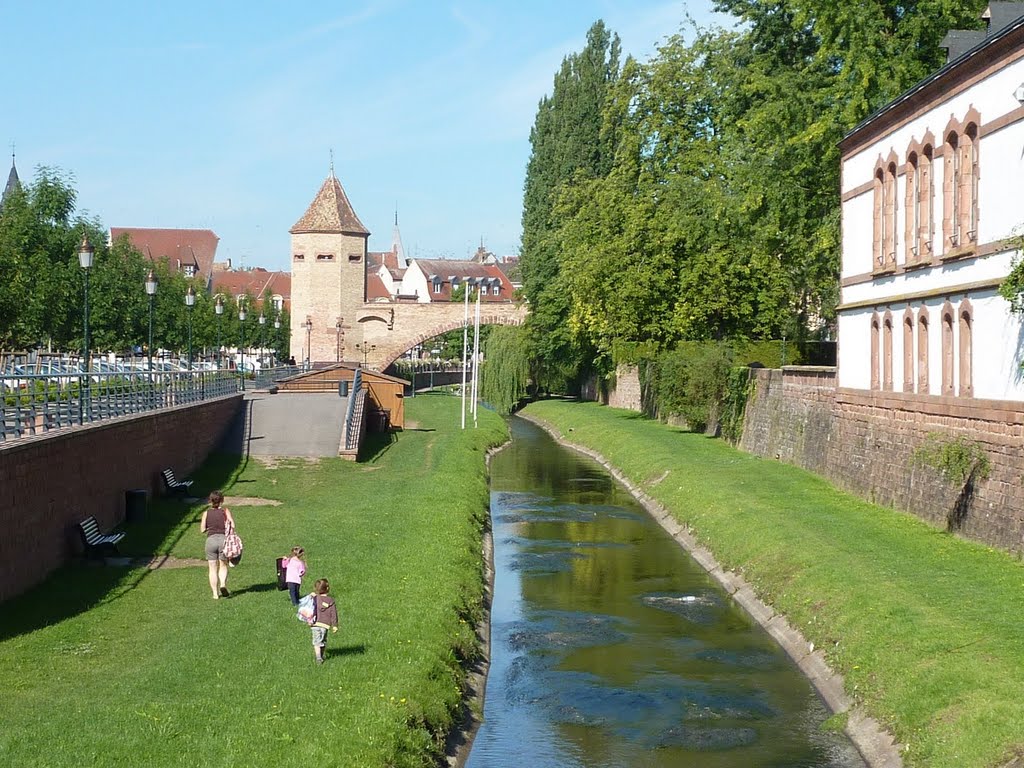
(222, 115)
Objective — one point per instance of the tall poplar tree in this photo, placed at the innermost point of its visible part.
(568, 147)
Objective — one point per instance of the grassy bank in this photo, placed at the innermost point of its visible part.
(110, 666)
(925, 627)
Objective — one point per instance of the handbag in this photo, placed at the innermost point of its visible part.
(232, 549)
(307, 609)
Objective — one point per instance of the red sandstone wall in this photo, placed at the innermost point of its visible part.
(864, 443)
(50, 482)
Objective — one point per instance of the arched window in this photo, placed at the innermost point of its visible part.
(922, 351)
(908, 351)
(966, 316)
(878, 236)
(887, 352)
(927, 196)
(947, 350)
(889, 214)
(969, 185)
(912, 206)
(950, 193)
(875, 334)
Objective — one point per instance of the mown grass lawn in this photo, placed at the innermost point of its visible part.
(927, 629)
(107, 666)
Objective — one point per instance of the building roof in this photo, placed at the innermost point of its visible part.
(375, 288)
(180, 247)
(256, 282)
(444, 270)
(389, 259)
(1000, 40)
(331, 212)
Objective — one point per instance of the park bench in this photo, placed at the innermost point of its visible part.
(173, 485)
(96, 543)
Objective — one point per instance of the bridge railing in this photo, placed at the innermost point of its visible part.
(351, 427)
(32, 404)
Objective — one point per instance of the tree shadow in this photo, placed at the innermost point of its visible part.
(82, 584)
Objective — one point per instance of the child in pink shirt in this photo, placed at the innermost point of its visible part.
(294, 569)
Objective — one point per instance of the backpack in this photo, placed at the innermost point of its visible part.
(307, 609)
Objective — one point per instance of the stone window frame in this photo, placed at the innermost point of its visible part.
(919, 201)
(948, 356)
(887, 351)
(960, 184)
(965, 322)
(324, 257)
(876, 332)
(908, 350)
(298, 257)
(922, 350)
(886, 239)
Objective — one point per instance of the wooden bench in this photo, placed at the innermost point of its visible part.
(173, 485)
(97, 543)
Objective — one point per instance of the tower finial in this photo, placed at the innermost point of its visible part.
(332, 162)
(396, 213)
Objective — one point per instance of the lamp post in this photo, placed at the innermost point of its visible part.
(241, 345)
(151, 292)
(218, 309)
(308, 325)
(338, 334)
(366, 348)
(277, 329)
(190, 302)
(85, 254)
(263, 343)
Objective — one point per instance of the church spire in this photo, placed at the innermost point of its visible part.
(13, 182)
(396, 243)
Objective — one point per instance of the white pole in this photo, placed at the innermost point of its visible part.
(476, 356)
(465, 348)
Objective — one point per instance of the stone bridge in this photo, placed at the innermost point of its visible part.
(389, 329)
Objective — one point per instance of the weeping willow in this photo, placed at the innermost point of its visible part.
(505, 373)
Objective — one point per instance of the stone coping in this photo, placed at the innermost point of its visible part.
(875, 744)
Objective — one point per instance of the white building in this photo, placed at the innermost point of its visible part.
(932, 189)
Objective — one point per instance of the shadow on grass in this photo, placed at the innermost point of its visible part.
(376, 445)
(82, 584)
(345, 650)
(271, 587)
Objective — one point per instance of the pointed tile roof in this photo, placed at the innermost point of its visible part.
(13, 182)
(330, 211)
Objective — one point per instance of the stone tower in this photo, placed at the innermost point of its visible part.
(328, 277)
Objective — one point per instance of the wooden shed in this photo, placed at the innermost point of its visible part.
(386, 393)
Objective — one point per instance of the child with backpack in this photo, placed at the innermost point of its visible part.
(325, 616)
(294, 570)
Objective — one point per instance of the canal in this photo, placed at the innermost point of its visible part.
(610, 646)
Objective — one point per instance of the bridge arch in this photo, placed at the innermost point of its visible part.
(398, 347)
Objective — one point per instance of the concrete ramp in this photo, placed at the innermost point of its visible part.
(291, 424)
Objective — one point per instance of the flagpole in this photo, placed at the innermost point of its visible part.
(465, 348)
(476, 357)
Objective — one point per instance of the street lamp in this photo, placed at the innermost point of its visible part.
(338, 334)
(263, 344)
(277, 335)
(241, 345)
(218, 308)
(151, 292)
(190, 302)
(85, 254)
(308, 325)
(366, 350)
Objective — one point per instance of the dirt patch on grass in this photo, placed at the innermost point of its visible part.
(275, 462)
(250, 501)
(156, 562)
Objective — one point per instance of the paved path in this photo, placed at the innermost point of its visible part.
(292, 424)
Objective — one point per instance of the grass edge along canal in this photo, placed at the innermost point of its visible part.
(923, 626)
(132, 667)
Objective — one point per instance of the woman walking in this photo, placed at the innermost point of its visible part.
(214, 524)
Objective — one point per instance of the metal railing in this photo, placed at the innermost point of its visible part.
(351, 424)
(36, 403)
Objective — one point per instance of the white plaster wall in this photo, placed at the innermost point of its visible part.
(997, 341)
(415, 282)
(854, 350)
(1001, 183)
(858, 233)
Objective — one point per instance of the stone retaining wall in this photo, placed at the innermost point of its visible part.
(50, 482)
(864, 442)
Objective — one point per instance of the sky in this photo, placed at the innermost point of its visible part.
(226, 115)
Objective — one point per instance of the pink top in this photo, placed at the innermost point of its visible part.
(294, 568)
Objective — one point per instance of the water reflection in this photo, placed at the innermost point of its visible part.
(611, 647)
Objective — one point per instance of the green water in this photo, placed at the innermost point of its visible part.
(610, 646)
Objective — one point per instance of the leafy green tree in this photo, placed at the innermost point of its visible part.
(505, 373)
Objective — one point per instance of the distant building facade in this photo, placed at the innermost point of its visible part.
(189, 251)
